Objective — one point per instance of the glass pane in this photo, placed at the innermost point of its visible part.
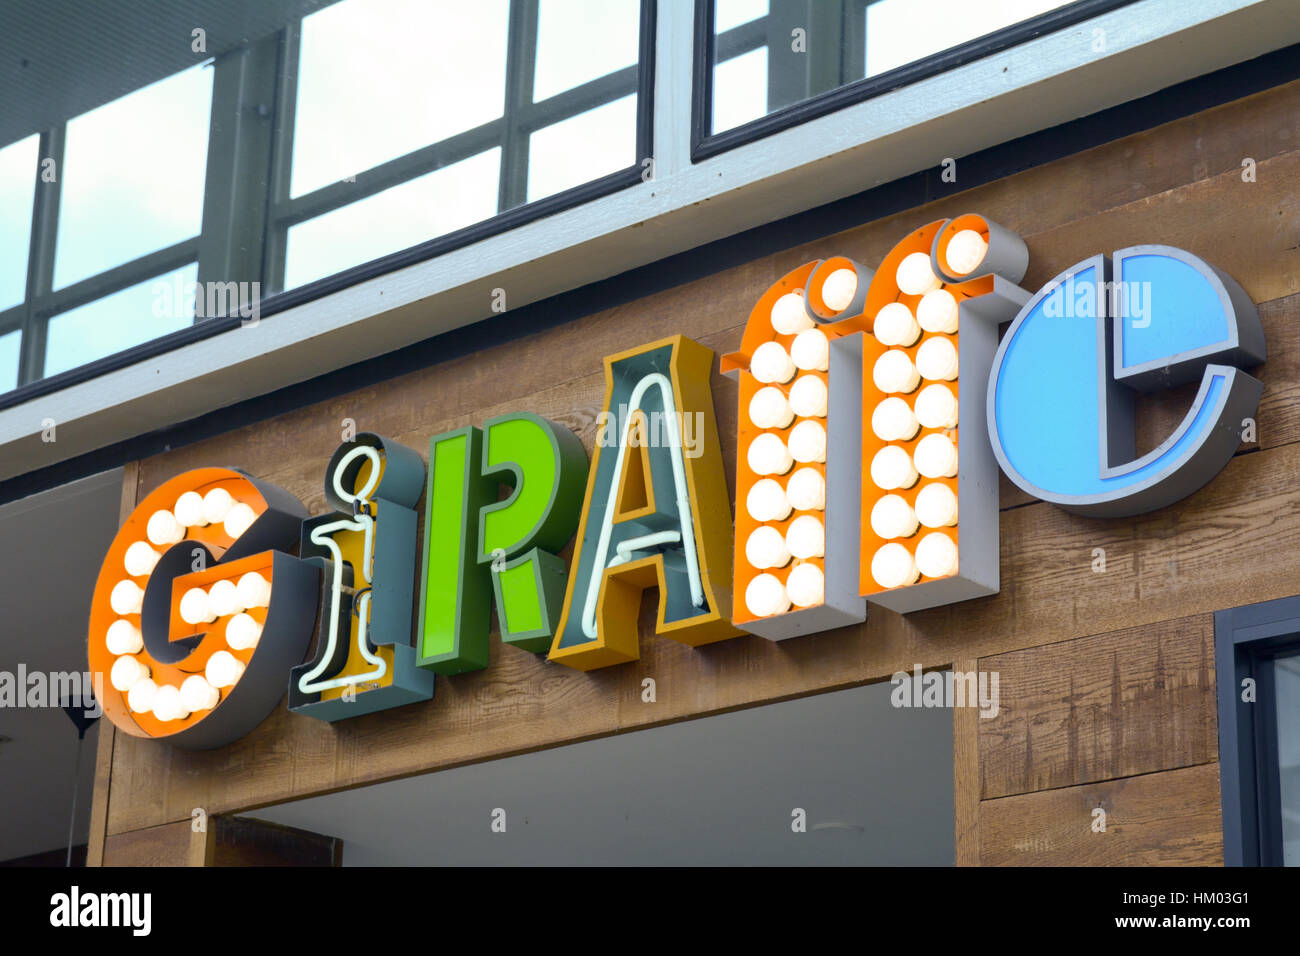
(381, 78)
(740, 90)
(732, 13)
(582, 148)
(1286, 676)
(133, 315)
(133, 174)
(579, 41)
(10, 344)
(17, 192)
(399, 217)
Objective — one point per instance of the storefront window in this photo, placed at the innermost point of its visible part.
(17, 176)
(1286, 678)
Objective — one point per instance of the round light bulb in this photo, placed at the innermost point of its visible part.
(806, 538)
(223, 669)
(123, 637)
(806, 490)
(239, 519)
(243, 632)
(189, 509)
(771, 364)
(254, 590)
(936, 506)
(127, 597)
(789, 317)
(965, 252)
(915, 277)
(768, 455)
(769, 408)
(936, 555)
(894, 372)
(223, 599)
(811, 351)
(766, 596)
(895, 325)
(893, 566)
(196, 608)
(936, 359)
(167, 704)
(163, 528)
(936, 456)
(937, 311)
(936, 407)
(808, 397)
(808, 442)
(891, 469)
(839, 289)
(140, 559)
(198, 694)
(806, 585)
(766, 501)
(140, 697)
(893, 420)
(766, 549)
(216, 504)
(125, 672)
(893, 517)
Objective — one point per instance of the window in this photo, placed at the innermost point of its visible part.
(765, 65)
(1258, 665)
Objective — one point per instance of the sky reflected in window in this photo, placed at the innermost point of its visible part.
(17, 191)
(10, 346)
(582, 148)
(579, 41)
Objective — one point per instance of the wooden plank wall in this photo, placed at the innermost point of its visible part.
(1106, 678)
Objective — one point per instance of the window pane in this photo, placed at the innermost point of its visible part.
(17, 180)
(579, 41)
(1286, 677)
(133, 315)
(133, 173)
(732, 13)
(740, 90)
(397, 218)
(381, 78)
(583, 148)
(10, 344)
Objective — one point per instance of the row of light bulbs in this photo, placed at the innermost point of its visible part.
(132, 677)
(805, 586)
(895, 566)
(193, 510)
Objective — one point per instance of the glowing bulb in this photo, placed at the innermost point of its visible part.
(893, 517)
(893, 420)
(771, 364)
(893, 566)
(789, 316)
(936, 506)
(769, 408)
(808, 397)
(936, 456)
(196, 608)
(216, 504)
(239, 519)
(127, 597)
(163, 528)
(223, 669)
(223, 599)
(811, 350)
(936, 359)
(895, 325)
(198, 694)
(936, 407)
(894, 372)
(891, 469)
(254, 590)
(806, 538)
(167, 704)
(123, 637)
(808, 442)
(965, 252)
(806, 490)
(768, 455)
(915, 277)
(140, 697)
(243, 632)
(805, 585)
(766, 596)
(126, 671)
(937, 311)
(839, 289)
(766, 501)
(936, 555)
(189, 509)
(766, 549)
(140, 559)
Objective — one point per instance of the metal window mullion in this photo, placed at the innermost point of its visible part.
(121, 276)
(276, 238)
(796, 75)
(42, 247)
(521, 63)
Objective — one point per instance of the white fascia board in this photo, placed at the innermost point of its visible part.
(1149, 45)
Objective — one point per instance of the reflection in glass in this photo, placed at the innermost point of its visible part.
(17, 179)
(740, 89)
(1286, 679)
(10, 345)
(582, 148)
(579, 41)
